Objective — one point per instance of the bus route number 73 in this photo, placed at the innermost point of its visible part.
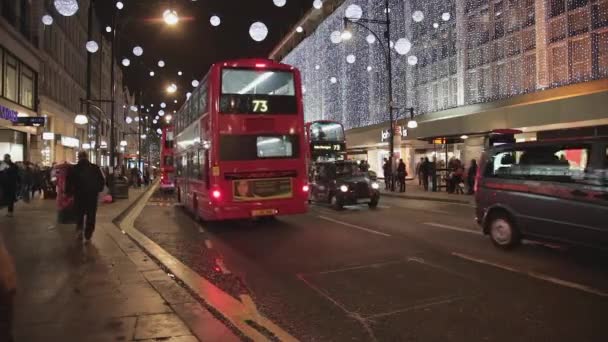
(260, 106)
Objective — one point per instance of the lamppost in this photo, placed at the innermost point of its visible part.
(386, 50)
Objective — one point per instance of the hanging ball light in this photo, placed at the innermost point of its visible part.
(159, 131)
(403, 46)
(92, 46)
(188, 94)
(317, 67)
(120, 5)
(435, 25)
(195, 83)
(155, 121)
(445, 16)
(170, 17)
(279, 3)
(161, 112)
(299, 29)
(133, 108)
(369, 68)
(418, 16)
(163, 105)
(161, 63)
(317, 4)
(128, 120)
(412, 60)
(138, 51)
(354, 12)
(47, 20)
(137, 119)
(333, 80)
(336, 37)
(179, 73)
(351, 59)
(371, 39)
(108, 29)
(151, 73)
(175, 101)
(126, 62)
(215, 20)
(66, 8)
(258, 31)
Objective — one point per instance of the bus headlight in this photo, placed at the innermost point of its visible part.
(375, 186)
(343, 188)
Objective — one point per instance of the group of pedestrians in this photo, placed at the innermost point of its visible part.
(426, 171)
(391, 179)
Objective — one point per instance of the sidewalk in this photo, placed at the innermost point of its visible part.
(415, 191)
(108, 290)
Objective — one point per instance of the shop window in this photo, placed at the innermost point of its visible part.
(559, 64)
(602, 54)
(27, 84)
(548, 163)
(529, 73)
(581, 59)
(530, 13)
(574, 4)
(578, 23)
(10, 77)
(558, 7)
(529, 39)
(600, 14)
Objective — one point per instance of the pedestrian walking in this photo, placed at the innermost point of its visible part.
(425, 173)
(401, 175)
(9, 180)
(85, 181)
(386, 168)
(8, 287)
(419, 171)
(471, 174)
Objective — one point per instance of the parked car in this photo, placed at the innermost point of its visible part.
(341, 183)
(555, 191)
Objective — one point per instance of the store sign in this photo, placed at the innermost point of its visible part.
(8, 114)
(48, 136)
(399, 131)
(70, 142)
(35, 121)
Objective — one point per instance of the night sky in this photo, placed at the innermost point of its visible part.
(193, 44)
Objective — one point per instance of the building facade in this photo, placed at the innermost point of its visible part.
(48, 66)
(466, 67)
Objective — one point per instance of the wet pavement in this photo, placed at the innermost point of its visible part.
(108, 290)
(408, 271)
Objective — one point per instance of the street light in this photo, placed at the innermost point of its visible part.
(81, 119)
(170, 17)
(172, 88)
(387, 54)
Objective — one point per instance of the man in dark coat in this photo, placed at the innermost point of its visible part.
(9, 181)
(85, 181)
(401, 174)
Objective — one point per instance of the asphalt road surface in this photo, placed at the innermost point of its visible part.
(409, 271)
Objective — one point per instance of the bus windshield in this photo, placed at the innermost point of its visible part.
(246, 91)
(326, 131)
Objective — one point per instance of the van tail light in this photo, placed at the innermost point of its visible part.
(216, 194)
(305, 188)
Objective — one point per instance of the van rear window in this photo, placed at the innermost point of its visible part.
(545, 163)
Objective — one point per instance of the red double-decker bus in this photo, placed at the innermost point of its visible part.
(167, 167)
(241, 147)
(326, 140)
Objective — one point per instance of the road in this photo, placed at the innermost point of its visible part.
(409, 271)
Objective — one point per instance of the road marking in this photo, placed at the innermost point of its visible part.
(540, 276)
(353, 226)
(458, 229)
(436, 302)
(383, 206)
(209, 244)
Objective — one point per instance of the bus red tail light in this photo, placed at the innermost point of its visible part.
(305, 188)
(216, 194)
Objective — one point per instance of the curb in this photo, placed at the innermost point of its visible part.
(423, 198)
(237, 315)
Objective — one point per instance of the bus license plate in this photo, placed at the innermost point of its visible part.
(263, 212)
